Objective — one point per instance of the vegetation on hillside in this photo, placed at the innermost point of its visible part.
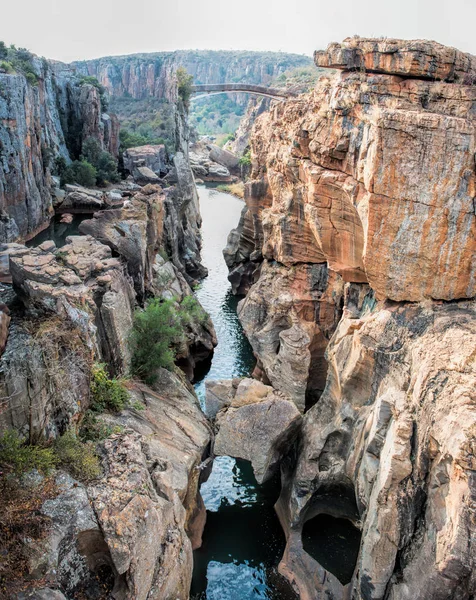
(149, 121)
(18, 60)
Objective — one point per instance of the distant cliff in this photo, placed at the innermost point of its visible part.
(45, 113)
(148, 75)
(142, 87)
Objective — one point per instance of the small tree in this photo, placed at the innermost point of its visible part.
(104, 162)
(80, 172)
(3, 51)
(155, 330)
(184, 81)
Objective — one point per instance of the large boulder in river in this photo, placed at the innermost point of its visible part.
(259, 425)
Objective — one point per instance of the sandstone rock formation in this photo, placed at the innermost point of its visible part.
(131, 531)
(395, 429)
(259, 425)
(340, 181)
(337, 179)
(369, 181)
(288, 317)
(39, 123)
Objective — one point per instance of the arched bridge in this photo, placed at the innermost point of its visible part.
(222, 88)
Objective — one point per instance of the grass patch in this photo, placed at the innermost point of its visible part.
(77, 457)
(106, 393)
(236, 189)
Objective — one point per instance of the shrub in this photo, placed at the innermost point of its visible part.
(155, 330)
(106, 393)
(184, 81)
(104, 162)
(94, 430)
(80, 172)
(245, 160)
(192, 312)
(77, 457)
(6, 66)
(18, 457)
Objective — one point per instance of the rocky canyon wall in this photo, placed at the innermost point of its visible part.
(142, 76)
(359, 235)
(40, 121)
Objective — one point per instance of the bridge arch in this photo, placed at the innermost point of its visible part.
(223, 88)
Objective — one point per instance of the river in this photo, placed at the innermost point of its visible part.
(243, 541)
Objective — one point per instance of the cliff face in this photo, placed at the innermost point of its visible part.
(151, 75)
(38, 123)
(360, 227)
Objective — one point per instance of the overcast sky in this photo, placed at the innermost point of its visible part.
(78, 29)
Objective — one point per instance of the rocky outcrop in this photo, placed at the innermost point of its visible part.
(39, 123)
(394, 429)
(343, 172)
(288, 317)
(256, 424)
(343, 237)
(337, 180)
(80, 303)
(422, 59)
(130, 532)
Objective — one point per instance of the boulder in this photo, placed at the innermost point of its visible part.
(152, 157)
(259, 425)
(223, 157)
(81, 198)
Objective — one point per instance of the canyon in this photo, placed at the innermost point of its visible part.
(354, 263)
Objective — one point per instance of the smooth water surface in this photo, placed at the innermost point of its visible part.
(243, 541)
(233, 356)
(57, 231)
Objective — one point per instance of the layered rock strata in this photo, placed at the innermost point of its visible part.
(39, 123)
(370, 180)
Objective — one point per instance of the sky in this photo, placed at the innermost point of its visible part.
(70, 30)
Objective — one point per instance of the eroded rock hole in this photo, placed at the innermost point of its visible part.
(334, 543)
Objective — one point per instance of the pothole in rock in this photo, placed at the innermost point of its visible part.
(334, 543)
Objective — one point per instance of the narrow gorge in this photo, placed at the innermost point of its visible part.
(216, 398)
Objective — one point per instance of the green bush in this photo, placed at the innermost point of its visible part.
(192, 312)
(94, 430)
(6, 66)
(106, 393)
(184, 81)
(155, 330)
(245, 160)
(18, 457)
(80, 172)
(104, 163)
(77, 457)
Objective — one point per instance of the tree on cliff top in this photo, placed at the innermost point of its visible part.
(184, 81)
